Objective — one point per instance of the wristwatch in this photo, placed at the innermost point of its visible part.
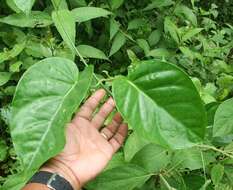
(52, 180)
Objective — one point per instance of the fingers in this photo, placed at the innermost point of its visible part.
(103, 113)
(117, 140)
(90, 105)
(111, 129)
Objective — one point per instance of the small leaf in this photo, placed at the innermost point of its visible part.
(118, 42)
(91, 52)
(152, 157)
(191, 158)
(15, 67)
(191, 33)
(223, 125)
(65, 24)
(40, 114)
(161, 103)
(217, 173)
(136, 23)
(4, 78)
(34, 19)
(60, 4)
(114, 28)
(171, 28)
(13, 6)
(184, 11)
(154, 37)
(9, 54)
(144, 45)
(133, 144)
(24, 5)
(83, 14)
(159, 52)
(3, 150)
(158, 4)
(123, 177)
(115, 4)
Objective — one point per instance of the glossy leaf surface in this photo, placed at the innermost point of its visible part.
(162, 104)
(45, 99)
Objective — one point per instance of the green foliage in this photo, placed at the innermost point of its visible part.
(43, 46)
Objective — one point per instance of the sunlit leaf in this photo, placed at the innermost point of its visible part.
(40, 114)
(161, 103)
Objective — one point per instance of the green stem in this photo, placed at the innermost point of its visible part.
(76, 50)
(214, 149)
(166, 183)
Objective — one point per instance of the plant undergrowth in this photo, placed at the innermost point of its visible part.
(136, 38)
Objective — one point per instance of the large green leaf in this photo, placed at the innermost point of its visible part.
(45, 99)
(24, 5)
(65, 24)
(122, 177)
(223, 124)
(161, 103)
(34, 19)
(83, 14)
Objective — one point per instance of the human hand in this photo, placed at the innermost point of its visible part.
(88, 150)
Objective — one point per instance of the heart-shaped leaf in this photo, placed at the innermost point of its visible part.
(162, 104)
(45, 99)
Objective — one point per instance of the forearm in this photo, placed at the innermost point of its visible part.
(58, 168)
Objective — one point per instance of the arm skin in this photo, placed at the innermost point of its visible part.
(89, 147)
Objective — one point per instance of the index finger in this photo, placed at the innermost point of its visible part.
(90, 105)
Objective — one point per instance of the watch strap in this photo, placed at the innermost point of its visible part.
(52, 180)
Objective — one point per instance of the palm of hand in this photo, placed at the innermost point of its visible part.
(87, 151)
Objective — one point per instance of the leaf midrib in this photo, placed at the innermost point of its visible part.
(50, 124)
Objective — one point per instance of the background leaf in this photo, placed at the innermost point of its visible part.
(4, 77)
(171, 28)
(223, 125)
(91, 52)
(83, 14)
(152, 157)
(117, 43)
(115, 4)
(124, 177)
(65, 24)
(217, 173)
(34, 19)
(24, 5)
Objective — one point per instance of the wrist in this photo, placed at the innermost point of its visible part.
(55, 166)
